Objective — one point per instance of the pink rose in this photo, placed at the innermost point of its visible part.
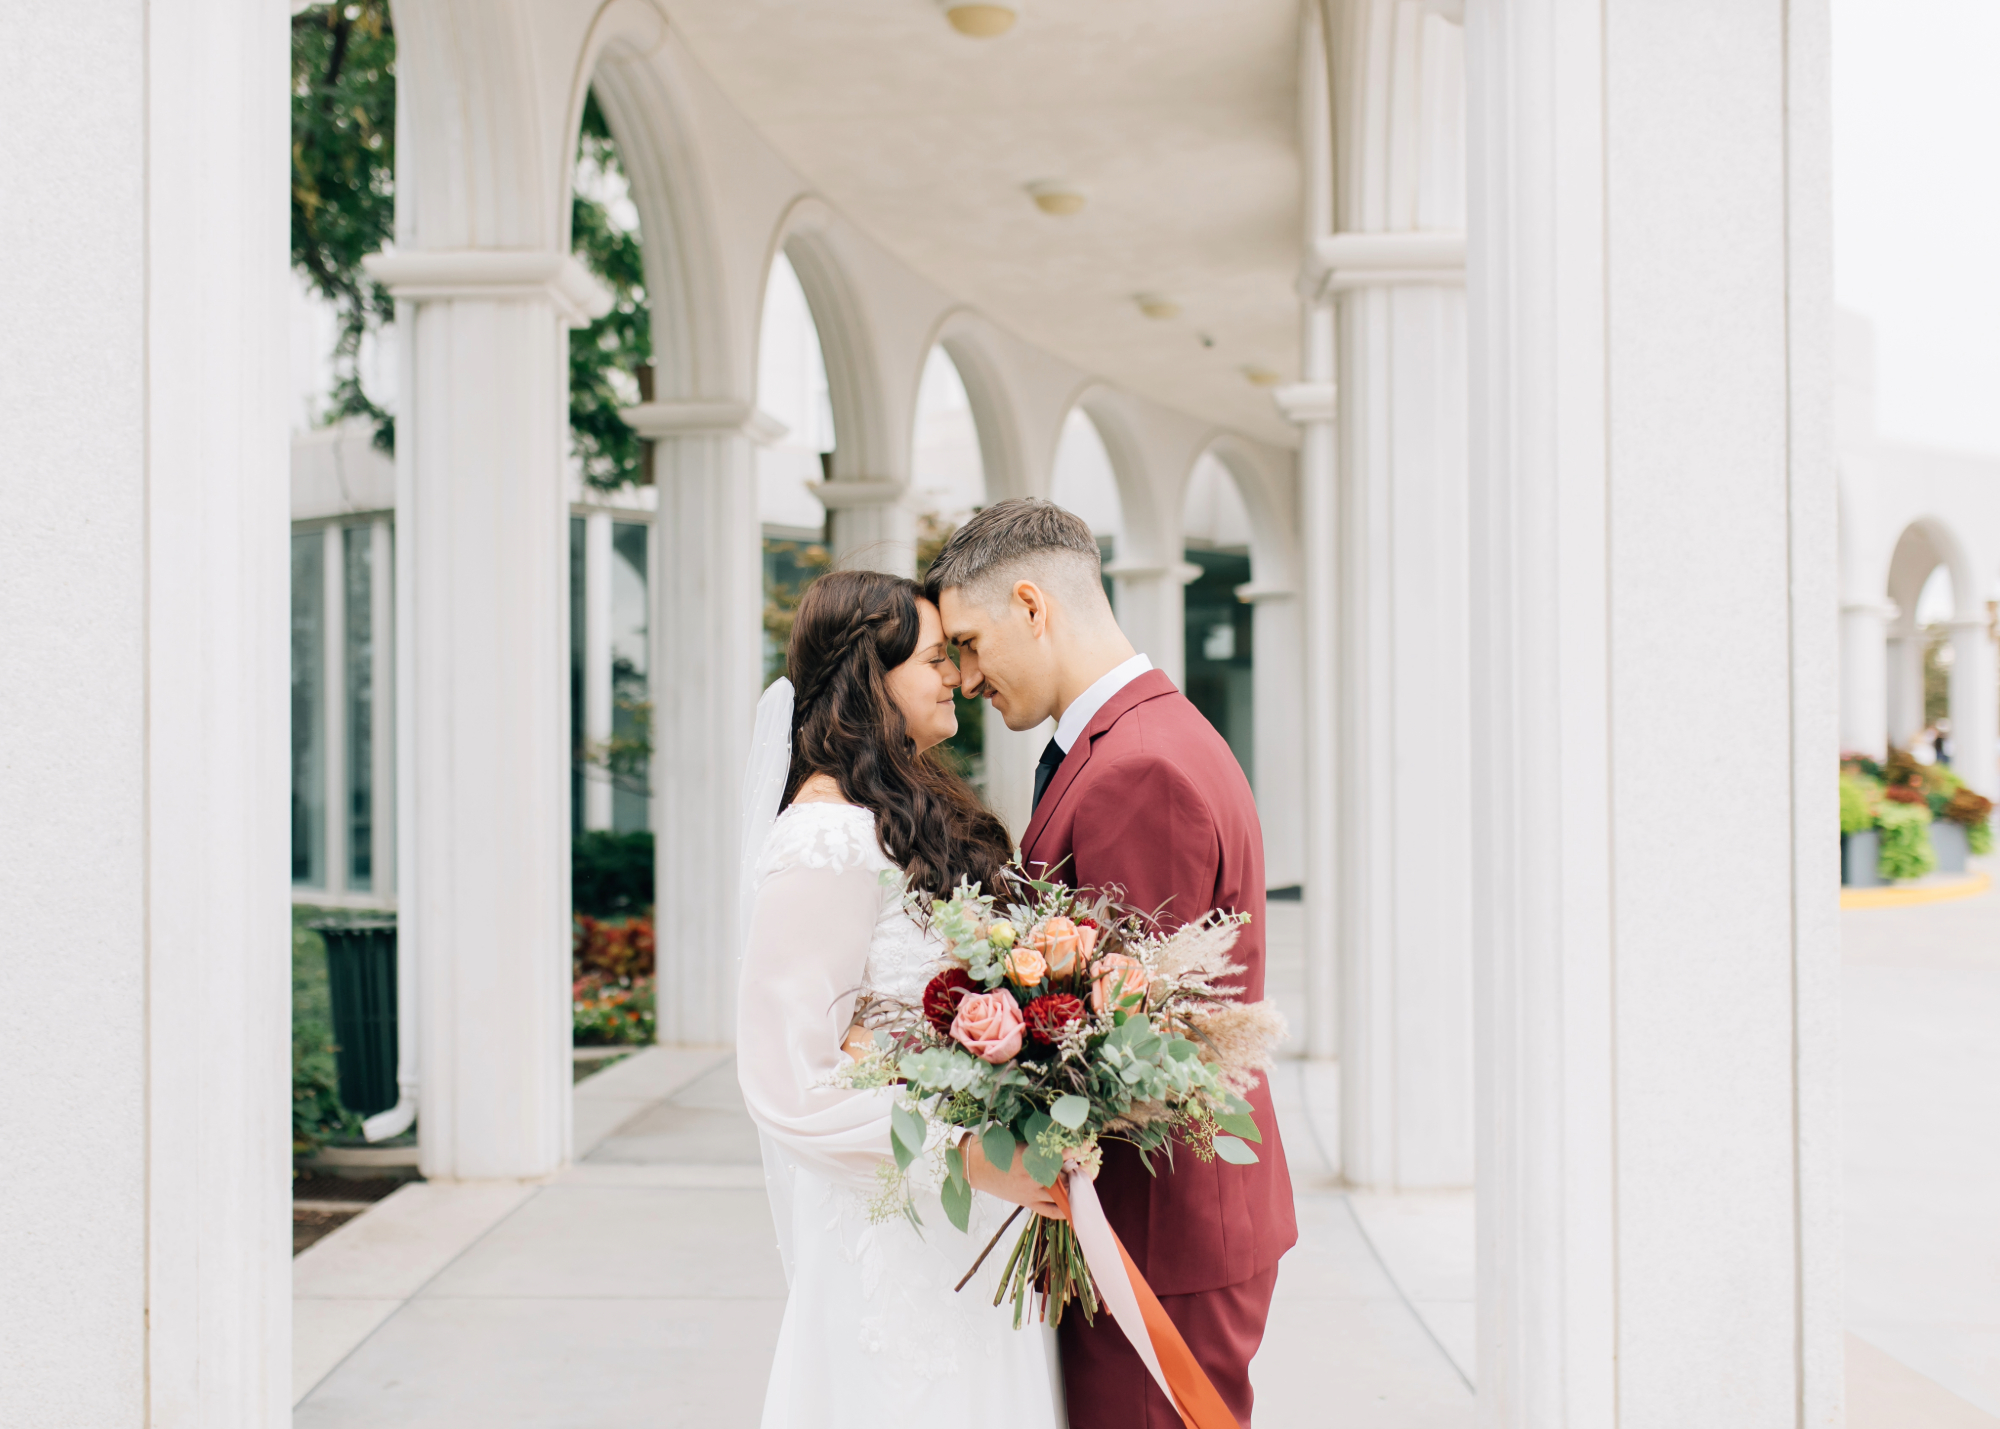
(1115, 978)
(988, 1025)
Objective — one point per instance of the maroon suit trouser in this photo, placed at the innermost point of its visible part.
(1106, 1384)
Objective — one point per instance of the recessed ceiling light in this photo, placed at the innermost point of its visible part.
(1056, 196)
(1262, 376)
(981, 19)
(1156, 307)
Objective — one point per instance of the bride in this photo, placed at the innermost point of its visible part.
(842, 812)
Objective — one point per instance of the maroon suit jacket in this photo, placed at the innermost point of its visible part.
(1151, 799)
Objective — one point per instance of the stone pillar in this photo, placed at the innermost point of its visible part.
(872, 527)
(482, 548)
(1658, 1062)
(1972, 704)
(1152, 608)
(1310, 404)
(1279, 702)
(597, 557)
(1402, 913)
(1864, 677)
(707, 673)
(1906, 682)
(143, 668)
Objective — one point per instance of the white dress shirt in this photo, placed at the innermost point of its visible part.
(1083, 709)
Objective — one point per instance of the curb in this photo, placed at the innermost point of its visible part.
(1969, 886)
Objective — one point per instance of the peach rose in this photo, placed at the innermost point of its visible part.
(1026, 967)
(1115, 978)
(989, 1026)
(1057, 940)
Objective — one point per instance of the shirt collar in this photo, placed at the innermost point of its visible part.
(1083, 709)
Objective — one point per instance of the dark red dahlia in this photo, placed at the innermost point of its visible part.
(942, 996)
(1047, 1016)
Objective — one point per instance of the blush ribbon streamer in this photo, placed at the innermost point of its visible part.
(1137, 1310)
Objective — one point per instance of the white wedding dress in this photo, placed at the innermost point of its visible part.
(874, 1335)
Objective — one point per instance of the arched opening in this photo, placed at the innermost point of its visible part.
(1220, 649)
(1940, 678)
(947, 484)
(1084, 480)
(792, 387)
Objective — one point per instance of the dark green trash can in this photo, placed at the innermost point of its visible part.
(361, 975)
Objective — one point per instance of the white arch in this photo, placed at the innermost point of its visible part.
(625, 60)
(967, 341)
(863, 448)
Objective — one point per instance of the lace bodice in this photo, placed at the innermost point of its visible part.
(838, 837)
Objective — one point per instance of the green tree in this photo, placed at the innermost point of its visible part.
(344, 178)
(344, 208)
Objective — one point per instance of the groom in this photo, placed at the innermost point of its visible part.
(1137, 790)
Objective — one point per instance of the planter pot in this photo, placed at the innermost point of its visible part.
(1948, 843)
(1858, 853)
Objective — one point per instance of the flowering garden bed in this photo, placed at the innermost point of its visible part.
(1899, 807)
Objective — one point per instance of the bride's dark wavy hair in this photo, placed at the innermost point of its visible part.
(852, 629)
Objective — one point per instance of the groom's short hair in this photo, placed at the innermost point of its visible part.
(1022, 539)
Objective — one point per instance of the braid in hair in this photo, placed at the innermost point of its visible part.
(851, 630)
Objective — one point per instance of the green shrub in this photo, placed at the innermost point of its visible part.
(609, 1014)
(317, 1112)
(1858, 798)
(611, 875)
(1906, 840)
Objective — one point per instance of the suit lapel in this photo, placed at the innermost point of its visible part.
(1148, 686)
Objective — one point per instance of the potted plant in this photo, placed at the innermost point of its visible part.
(1860, 843)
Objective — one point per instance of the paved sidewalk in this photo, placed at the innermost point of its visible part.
(641, 1287)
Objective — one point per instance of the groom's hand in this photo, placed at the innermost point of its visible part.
(1013, 1184)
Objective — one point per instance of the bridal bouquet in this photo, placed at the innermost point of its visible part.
(1058, 1019)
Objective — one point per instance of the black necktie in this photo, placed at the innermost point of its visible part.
(1052, 758)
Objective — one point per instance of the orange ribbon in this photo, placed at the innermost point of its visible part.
(1194, 1397)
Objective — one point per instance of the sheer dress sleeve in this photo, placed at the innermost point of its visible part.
(811, 926)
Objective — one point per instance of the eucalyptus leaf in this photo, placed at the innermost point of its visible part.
(954, 1162)
(957, 1198)
(1037, 1123)
(1235, 1103)
(904, 1156)
(998, 1143)
(1182, 1050)
(1045, 1166)
(1234, 1152)
(908, 1127)
(1243, 1126)
(1070, 1111)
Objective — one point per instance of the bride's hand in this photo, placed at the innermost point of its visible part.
(1014, 1184)
(858, 1042)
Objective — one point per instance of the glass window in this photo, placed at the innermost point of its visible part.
(1220, 677)
(576, 618)
(308, 710)
(631, 708)
(358, 581)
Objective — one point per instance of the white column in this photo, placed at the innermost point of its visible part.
(706, 675)
(143, 671)
(1658, 1064)
(1905, 657)
(1277, 683)
(1973, 713)
(482, 541)
(1403, 910)
(1311, 404)
(872, 527)
(1152, 608)
(596, 664)
(1864, 677)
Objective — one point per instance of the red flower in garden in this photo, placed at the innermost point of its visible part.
(942, 996)
(1048, 1016)
(1904, 794)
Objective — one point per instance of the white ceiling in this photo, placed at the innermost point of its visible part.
(1175, 116)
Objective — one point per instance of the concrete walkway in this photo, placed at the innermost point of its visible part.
(641, 1287)
(1922, 1031)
